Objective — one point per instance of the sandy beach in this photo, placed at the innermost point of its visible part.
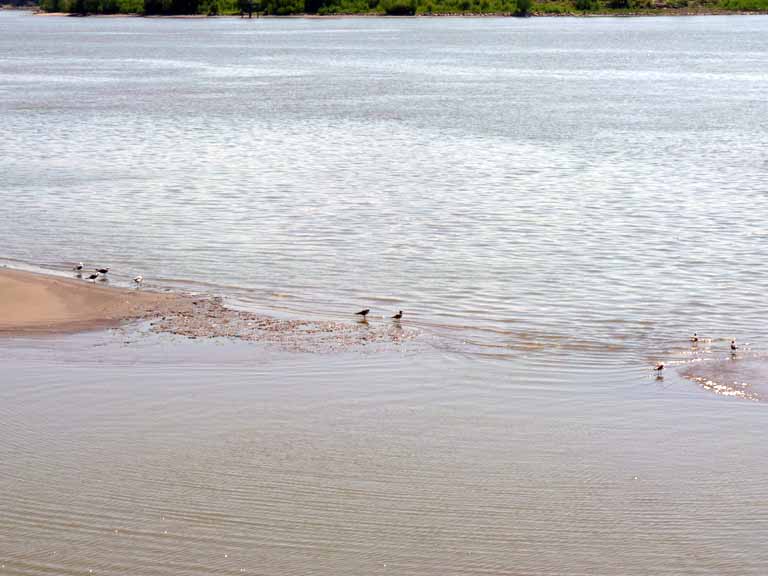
(31, 302)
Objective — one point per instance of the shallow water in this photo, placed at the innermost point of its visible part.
(555, 203)
(169, 457)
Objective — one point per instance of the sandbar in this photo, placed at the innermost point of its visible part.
(31, 302)
(45, 304)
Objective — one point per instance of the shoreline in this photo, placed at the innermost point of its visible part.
(676, 12)
(45, 304)
(41, 304)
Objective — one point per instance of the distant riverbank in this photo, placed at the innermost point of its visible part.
(532, 14)
(341, 8)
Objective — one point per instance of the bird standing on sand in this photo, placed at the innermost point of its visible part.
(138, 280)
(398, 315)
(363, 313)
(102, 271)
(93, 277)
(733, 346)
(78, 267)
(659, 368)
(695, 338)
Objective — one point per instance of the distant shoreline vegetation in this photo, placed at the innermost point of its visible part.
(402, 7)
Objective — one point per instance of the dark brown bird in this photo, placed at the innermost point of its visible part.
(102, 270)
(695, 338)
(93, 277)
(733, 346)
(363, 313)
(659, 368)
(398, 315)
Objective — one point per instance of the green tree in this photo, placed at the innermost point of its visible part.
(153, 7)
(130, 6)
(76, 7)
(49, 5)
(398, 7)
(186, 6)
(523, 7)
(211, 8)
(284, 7)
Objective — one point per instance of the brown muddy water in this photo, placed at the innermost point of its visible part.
(556, 204)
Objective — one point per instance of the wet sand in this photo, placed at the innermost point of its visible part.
(743, 375)
(38, 303)
(31, 302)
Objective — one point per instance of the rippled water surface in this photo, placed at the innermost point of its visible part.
(556, 204)
(134, 456)
(592, 183)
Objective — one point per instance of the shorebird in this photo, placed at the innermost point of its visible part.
(93, 277)
(733, 346)
(102, 270)
(78, 267)
(398, 315)
(695, 338)
(363, 313)
(138, 280)
(659, 368)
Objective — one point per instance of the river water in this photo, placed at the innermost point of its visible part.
(556, 204)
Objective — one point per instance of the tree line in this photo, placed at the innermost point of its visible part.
(391, 7)
(283, 7)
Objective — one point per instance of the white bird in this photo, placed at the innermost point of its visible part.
(138, 280)
(78, 268)
(659, 368)
(733, 346)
